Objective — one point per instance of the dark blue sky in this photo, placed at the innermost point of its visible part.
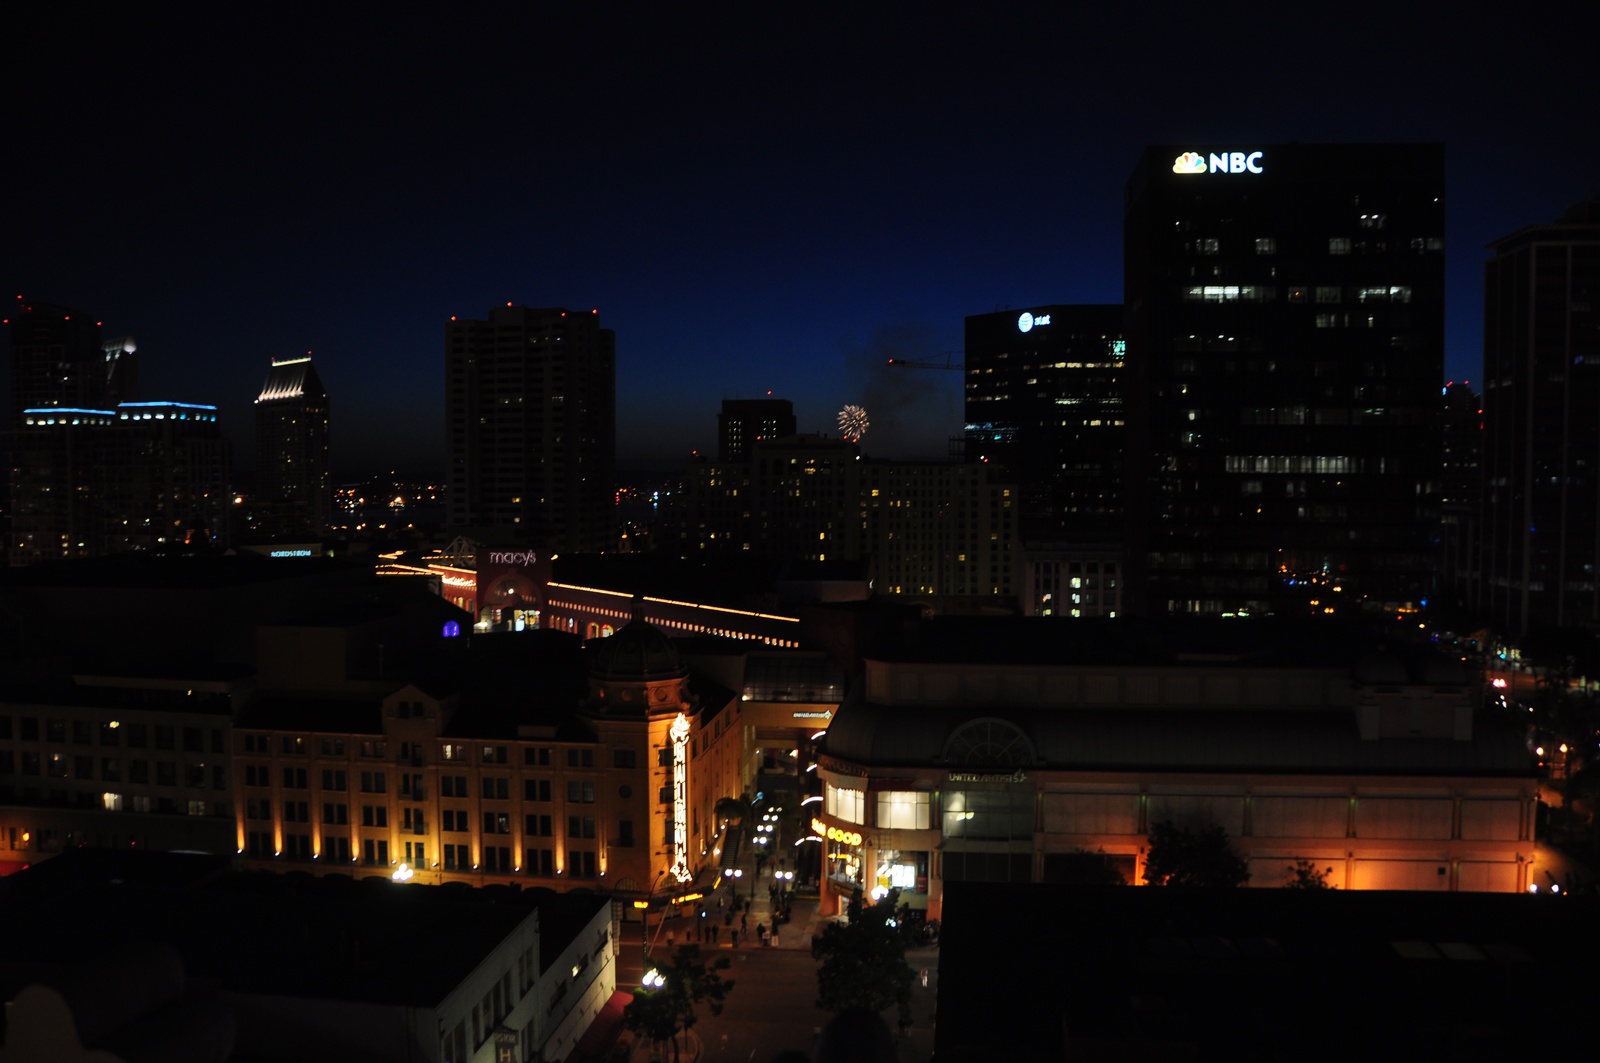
(776, 198)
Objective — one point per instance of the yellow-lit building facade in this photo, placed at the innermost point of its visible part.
(941, 768)
(613, 789)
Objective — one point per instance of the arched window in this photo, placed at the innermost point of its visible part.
(989, 743)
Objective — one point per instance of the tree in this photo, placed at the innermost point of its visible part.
(1303, 875)
(670, 1007)
(1081, 867)
(863, 962)
(1181, 857)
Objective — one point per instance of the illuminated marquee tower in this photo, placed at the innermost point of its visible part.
(639, 696)
(1285, 355)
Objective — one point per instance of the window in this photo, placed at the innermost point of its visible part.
(331, 747)
(625, 833)
(372, 748)
(335, 813)
(496, 787)
(192, 740)
(138, 770)
(496, 823)
(580, 826)
(457, 858)
(164, 736)
(848, 805)
(1338, 245)
(581, 793)
(494, 754)
(333, 779)
(1266, 245)
(539, 861)
(624, 758)
(292, 744)
(580, 864)
(537, 826)
(1328, 294)
(374, 816)
(453, 820)
(452, 786)
(374, 782)
(296, 812)
(138, 735)
(536, 757)
(375, 850)
(294, 778)
(580, 758)
(903, 810)
(80, 732)
(453, 751)
(536, 789)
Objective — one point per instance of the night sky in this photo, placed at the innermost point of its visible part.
(779, 198)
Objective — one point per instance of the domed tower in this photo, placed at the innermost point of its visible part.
(640, 706)
(636, 672)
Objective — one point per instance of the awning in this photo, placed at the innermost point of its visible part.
(598, 1040)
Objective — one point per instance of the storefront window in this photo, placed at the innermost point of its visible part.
(848, 805)
(905, 870)
(903, 810)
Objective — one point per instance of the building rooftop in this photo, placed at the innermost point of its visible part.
(292, 935)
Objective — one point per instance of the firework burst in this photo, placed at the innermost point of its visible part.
(853, 423)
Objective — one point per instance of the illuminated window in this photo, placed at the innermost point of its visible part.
(848, 805)
(903, 810)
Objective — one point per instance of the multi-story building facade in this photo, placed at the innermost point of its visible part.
(1001, 751)
(142, 476)
(941, 532)
(530, 410)
(294, 481)
(1285, 351)
(539, 766)
(1541, 455)
(59, 359)
(1044, 399)
(742, 423)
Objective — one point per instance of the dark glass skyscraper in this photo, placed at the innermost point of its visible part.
(1285, 354)
(1541, 410)
(1043, 398)
(530, 408)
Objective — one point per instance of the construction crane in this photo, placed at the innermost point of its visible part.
(948, 363)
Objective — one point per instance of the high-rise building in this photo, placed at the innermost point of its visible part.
(1043, 399)
(746, 422)
(145, 476)
(530, 406)
(59, 359)
(1285, 353)
(1541, 416)
(294, 490)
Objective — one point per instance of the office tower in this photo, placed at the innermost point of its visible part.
(746, 422)
(531, 410)
(1285, 353)
(1460, 496)
(59, 359)
(1043, 399)
(145, 476)
(1541, 415)
(294, 492)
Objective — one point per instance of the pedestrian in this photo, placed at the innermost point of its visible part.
(761, 933)
(744, 922)
(735, 939)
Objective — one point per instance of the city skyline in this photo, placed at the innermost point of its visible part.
(751, 213)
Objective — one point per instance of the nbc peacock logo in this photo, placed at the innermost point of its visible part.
(1189, 162)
